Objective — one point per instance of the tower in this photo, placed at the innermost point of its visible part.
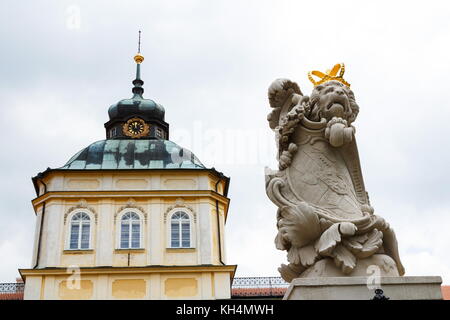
(134, 216)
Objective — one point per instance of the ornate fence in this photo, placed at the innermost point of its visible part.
(247, 287)
(255, 287)
(11, 291)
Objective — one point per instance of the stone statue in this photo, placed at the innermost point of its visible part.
(325, 221)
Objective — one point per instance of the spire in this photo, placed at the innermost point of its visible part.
(145, 116)
(138, 58)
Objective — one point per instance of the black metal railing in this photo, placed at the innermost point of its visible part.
(258, 287)
(11, 287)
(241, 287)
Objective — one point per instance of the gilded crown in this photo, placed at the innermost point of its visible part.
(329, 75)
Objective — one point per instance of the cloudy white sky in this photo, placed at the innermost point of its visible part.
(210, 64)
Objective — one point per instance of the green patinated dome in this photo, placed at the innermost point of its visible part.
(133, 154)
(137, 106)
(147, 110)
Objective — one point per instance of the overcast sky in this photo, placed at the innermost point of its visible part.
(209, 63)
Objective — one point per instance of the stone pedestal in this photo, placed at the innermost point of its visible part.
(363, 288)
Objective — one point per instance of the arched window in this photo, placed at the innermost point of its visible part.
(180, 230)
(80, 229)
(130, 231)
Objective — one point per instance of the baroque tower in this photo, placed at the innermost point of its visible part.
(134, 216)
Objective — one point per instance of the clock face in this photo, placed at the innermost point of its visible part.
(135, 128)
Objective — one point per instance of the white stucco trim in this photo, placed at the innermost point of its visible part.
(118, 225)
(192, 228)
(92, 224)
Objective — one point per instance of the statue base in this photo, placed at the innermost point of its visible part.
(363, 288)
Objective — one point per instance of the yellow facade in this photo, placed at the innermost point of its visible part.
(190, 282)
(155, 270)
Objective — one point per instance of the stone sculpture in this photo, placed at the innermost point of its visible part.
(325, 221)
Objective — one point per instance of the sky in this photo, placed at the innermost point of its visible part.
(209, 63)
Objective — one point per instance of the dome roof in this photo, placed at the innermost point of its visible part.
(133, 154)
(137, 106)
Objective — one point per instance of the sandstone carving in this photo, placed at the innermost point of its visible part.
(325, 221)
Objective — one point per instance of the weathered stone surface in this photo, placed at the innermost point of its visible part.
(363, 288)
(325, 220)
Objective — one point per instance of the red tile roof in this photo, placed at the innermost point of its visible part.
(445, 292)
(235, 293)
(257, 292)
(11, 296)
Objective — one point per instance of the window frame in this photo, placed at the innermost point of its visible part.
(159, 133)
(113, 132)
(69, 223)
(118, 226)
(192, 238)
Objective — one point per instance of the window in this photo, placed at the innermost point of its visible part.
(130, 231)
(159, 133)
(112, 132)
(80, 228)
(180, 230)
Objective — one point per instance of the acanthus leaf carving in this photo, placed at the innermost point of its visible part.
(131, 204)
(365, 245)
(344, 259)
(82, 204)
(308, 255)
(329, 240)
(299, 225)
(180, 203)
(290, 271)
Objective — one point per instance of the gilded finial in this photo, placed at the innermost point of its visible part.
(138, 57)
(329, 75)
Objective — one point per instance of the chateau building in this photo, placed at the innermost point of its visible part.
(134, 216)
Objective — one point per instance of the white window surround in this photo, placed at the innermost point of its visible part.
(158, 133)
(69, 229)
(191, 228)
(113, 132)
(118, 226)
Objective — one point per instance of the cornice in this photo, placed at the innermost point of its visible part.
(135, 194)
(130, 270)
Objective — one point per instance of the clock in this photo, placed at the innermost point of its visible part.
(135, 128)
